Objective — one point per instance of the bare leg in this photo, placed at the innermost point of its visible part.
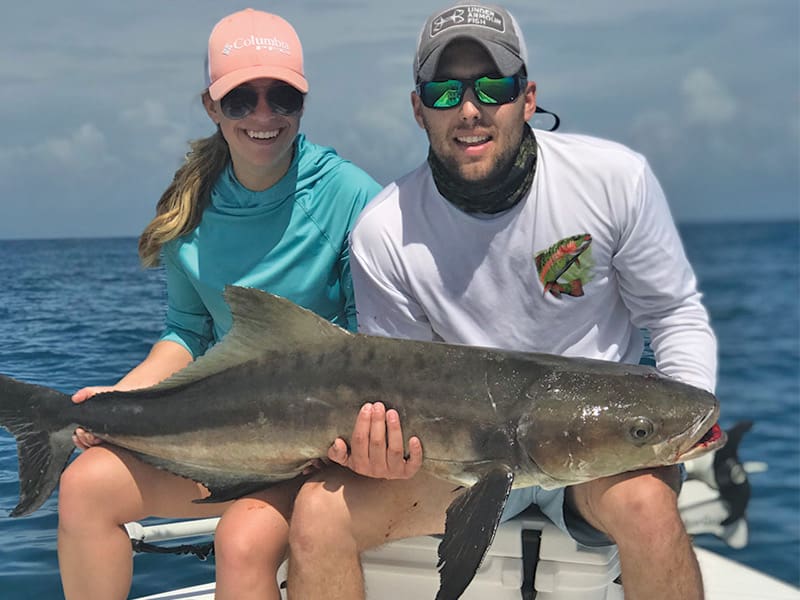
(339, 514)
(251, 542)
(639, 512)
(102, 489)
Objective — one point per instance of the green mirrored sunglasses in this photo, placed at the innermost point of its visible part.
(449, 93)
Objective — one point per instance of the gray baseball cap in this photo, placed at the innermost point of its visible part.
(491, 26)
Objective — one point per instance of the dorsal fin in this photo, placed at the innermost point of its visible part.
(262, 322)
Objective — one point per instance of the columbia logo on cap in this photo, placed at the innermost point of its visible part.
(259, 43)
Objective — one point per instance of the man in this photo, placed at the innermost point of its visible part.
(521, 240)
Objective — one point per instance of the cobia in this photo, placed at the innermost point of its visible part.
(271, 397)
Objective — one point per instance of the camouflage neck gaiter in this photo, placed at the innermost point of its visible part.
(499, 193)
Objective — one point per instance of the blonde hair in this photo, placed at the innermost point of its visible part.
(182, 203)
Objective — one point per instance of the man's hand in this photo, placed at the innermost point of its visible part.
(376, 446)
(82, 438)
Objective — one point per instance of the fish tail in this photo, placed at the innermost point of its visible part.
(576, 288)
(43, 450)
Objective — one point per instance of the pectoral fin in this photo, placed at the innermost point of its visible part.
(232, 492)
(472, 521)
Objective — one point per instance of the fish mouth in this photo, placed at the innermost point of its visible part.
(706, 435)
(712, 439)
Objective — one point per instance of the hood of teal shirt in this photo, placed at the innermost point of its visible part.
(310, 163)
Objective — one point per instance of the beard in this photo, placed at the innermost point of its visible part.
(478, 173)
(484, 172)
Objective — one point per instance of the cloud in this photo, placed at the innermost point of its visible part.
(84, 149)
(694, 126)
(148, 114)
(707, 100)
(79, 152)
(155, 122)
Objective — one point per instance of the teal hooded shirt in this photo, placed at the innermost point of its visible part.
(290, 240)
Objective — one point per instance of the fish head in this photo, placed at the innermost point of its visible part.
(586, 424)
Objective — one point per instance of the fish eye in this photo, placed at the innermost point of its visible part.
(640, 430)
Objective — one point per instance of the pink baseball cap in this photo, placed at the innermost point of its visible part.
(251, 44)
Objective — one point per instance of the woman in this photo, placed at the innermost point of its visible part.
(255, 204)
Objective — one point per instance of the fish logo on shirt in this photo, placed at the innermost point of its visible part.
(565, 267)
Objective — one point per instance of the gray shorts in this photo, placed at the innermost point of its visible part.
(552, 504)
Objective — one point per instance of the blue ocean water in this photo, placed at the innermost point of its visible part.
(80, 312)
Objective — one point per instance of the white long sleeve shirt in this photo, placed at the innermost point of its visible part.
(423, 269)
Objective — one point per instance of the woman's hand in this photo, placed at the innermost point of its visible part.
(376, 446)
(85, 393)
(165, 358)
(82, 438)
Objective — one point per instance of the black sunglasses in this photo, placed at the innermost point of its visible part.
(242, 100)
(490, 91)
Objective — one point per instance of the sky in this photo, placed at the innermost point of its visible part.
(99, 98)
